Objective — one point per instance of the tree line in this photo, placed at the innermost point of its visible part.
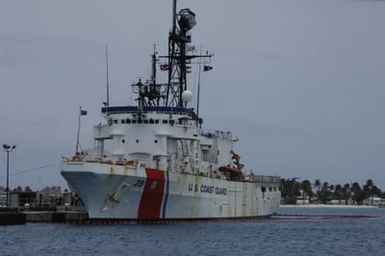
(323, 192)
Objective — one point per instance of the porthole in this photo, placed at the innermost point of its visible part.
(137, 141)
(156, 141)
(123, 141)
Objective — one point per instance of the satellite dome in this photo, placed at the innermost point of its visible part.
(187, 96)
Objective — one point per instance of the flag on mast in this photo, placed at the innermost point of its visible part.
(207, 68)
(191, 48)
(164, 67)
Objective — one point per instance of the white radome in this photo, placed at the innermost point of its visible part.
(187, 96)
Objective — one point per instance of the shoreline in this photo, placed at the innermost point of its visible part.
(325, 206)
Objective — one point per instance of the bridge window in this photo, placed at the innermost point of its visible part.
(133, 121)
(115, 121)
(123, 121)
(145, 121)
(151, 121)
(164, 121)
(139, 121)
(157, 121)
(128, 121)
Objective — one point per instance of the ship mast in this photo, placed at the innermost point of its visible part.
(176, 63)
(178, 59)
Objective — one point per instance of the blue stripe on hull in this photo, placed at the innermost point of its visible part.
(165, 196)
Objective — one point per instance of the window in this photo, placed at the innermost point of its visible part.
(128, 121)
(157, 121)
(139, 121)
(133, 121)
(145, 121)
(156, 141)
(123, 141)
(164, 121)
(205, 155)
(123, 121)
(137, 141)
(115, 121)
(151, 121)
(172, 122)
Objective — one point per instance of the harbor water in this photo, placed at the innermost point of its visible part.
(265, 237)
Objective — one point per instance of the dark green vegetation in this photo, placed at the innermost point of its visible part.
(324, 193)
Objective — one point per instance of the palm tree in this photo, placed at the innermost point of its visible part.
(325, 193)
(358, 195)
(290, 190)
(306, 189)
(346, 190)
(370, 189)
(338, 193)
(317, 185)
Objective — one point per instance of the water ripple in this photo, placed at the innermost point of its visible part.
(270, 237)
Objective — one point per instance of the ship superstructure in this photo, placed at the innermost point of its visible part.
(160, 164)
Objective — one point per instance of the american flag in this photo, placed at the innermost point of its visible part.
(164, 67)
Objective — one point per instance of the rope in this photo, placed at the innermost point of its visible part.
(33, 169)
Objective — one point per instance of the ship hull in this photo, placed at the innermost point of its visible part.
(138, 193)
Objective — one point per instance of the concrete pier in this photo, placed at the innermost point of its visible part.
(55, 217)
(11, 217)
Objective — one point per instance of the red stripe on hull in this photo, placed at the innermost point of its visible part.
(151, 201)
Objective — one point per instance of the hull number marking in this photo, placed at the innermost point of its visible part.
(139, 183)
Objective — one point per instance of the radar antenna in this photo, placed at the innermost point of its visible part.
(178, 59)
(177, 63)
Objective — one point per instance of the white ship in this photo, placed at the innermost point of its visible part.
(160, 164)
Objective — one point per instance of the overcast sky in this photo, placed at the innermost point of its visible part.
(300, 82)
